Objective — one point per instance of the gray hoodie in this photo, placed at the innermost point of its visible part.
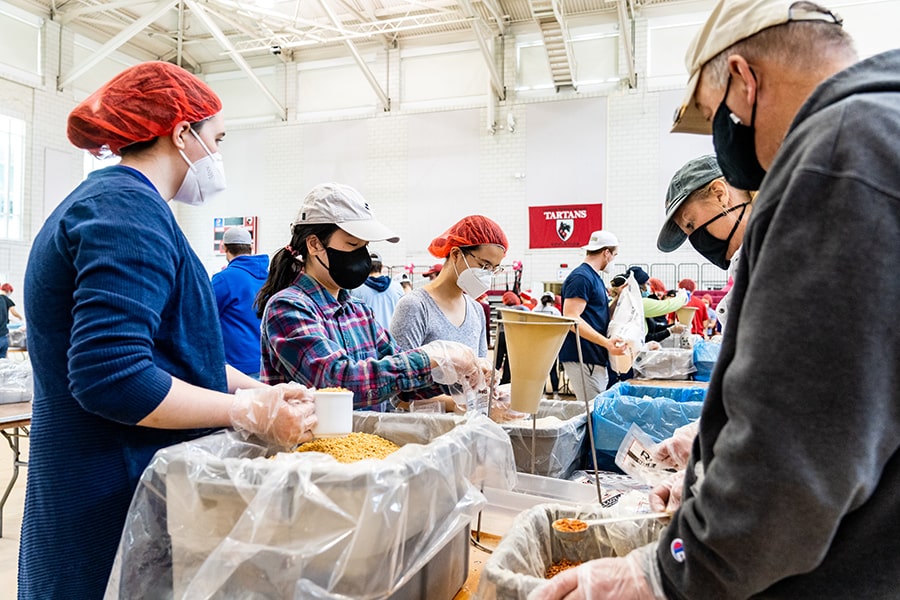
(793, 490)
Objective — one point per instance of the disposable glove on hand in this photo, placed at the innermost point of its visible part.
(500, 406)
(633, 577)
(666, 497)
(456, 364)
(284, 414)
(676, 450)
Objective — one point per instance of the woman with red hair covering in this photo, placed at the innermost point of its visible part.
(123, 332)
(7, 308)
(698, 321)
(446, 308)
(512, 301)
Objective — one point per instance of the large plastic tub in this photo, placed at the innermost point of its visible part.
(658, 410)
(503, 506)
(520, 561)
(559, 441)
(302, 525)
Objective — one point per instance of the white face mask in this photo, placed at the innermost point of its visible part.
(608, 268)
(204, 178)
(474, 282)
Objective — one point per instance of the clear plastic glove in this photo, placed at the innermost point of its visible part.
(676, 450)
(284, 414)
(666, 496)
(633, 577)
(677, 328)
(456, 364)
(500, 406)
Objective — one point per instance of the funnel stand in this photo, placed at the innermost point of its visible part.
(477, 539)
(587, 412)
(533, 436)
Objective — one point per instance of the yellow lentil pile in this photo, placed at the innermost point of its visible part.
(351, 448)
(558, 567)
(569, 525)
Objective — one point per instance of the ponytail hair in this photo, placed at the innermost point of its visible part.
(287, 264)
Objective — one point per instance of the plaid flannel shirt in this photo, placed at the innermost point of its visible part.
(313, 339)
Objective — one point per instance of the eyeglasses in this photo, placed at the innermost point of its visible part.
(484, 265)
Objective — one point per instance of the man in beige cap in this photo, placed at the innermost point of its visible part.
(792, 484)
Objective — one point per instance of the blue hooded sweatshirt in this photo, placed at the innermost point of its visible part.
(236, 287)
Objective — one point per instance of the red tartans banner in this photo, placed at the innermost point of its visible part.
(564, 225)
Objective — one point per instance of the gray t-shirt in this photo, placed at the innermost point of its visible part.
(418, 320)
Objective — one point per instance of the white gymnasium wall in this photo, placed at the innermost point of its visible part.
(425, 164)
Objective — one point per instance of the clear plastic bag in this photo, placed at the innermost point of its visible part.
(627, 322)
(16, 384)
(665, 363)
(520, 561)
(217, 518)
(635, 458)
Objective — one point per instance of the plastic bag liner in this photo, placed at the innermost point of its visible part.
(666, 363)
(16, 384)
(520, 561)
(559, 447)
(705, 356)
(215, 518)
(659, 411)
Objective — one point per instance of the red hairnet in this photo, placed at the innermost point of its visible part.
(511, 299)
(474, 230)
(139, 104)
(656, 285)
(687, 284)
(6, 287)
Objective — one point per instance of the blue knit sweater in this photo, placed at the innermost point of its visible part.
(117, 304)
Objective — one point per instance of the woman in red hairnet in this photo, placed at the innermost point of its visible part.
(446, 308)
(123, 333)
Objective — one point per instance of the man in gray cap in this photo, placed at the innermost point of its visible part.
(236, 287)
(792, 484)
(380, 292)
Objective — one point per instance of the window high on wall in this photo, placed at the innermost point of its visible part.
(12, 175)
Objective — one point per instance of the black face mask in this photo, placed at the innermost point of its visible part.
(348, 269)
(712, 248)
(736, 148)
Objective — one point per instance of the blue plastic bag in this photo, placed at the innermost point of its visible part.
(705, 356)
(659, 411)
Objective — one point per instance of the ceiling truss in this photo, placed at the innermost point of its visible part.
(195, 33)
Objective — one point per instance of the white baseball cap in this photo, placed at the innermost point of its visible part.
(345, 207)
(236, 235)
(601, 239)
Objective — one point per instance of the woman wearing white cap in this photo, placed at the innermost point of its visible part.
(314, 333)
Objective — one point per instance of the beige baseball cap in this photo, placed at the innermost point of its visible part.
(345, 207)
(730, 22)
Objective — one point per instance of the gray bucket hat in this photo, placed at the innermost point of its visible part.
(691, 177)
